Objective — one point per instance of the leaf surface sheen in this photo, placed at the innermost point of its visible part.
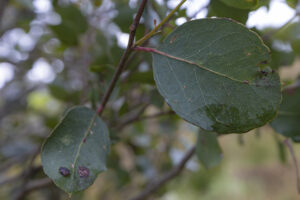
(80, 143)
(215, 80)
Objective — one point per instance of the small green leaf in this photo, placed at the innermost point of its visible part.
(288, 118)
(212, 76)
(73, 24)
(219, 9)
(142, 78)
(241, 4)
(76, 150)
(208, 149)
(292, 3)
(125, 15)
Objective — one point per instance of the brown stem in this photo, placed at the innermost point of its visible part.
(124, 58)
(165, 178)
(138, 117)
(290, 147)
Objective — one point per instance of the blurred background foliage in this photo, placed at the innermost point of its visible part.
(60, 53)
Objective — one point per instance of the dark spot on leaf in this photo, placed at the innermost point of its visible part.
(64, 171)
(84, 140)
(83, 172)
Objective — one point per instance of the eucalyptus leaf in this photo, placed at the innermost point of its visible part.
(208, 149)
(73, 24)
(212, 76)
(241, 4)
(76, 150)
(219, 9)
(288, 118)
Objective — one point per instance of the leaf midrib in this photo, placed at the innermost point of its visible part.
(81, 143)
(200, 66)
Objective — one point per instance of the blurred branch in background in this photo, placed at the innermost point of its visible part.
(157, 184)
(3, 4)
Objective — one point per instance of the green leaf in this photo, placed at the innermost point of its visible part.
(208, 149)
(142, 77)
(79, 144)
(73, 24)
(288, 118)
(213, 78)
(219, 9)
(292, 3)
(125, 15)
(241, 4)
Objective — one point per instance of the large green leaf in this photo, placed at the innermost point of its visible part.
(288, 119)
(76, 150)
(208, 149)
(212, 76)
(241, 4)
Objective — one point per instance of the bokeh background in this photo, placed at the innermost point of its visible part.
(55, 54)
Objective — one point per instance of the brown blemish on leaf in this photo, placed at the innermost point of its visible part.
(83, 172)
(248, 54)
(246, 82)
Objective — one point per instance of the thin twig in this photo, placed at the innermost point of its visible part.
(166, 19)
(137, 117)
(290, 147)
(132, 118)
(124, 58)
(165, 178)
